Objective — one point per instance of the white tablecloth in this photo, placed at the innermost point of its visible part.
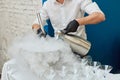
(11, 71)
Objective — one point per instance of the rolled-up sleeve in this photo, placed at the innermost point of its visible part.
(43, 14)
(89, 7)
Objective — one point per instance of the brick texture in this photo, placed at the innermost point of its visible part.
(16, 18)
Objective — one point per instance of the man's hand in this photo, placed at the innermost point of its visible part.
(71, 27)
(40, 33)
(36, 28)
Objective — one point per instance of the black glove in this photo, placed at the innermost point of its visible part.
(71, 27)
(40, 33)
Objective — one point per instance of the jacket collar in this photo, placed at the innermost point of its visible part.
(55, 1)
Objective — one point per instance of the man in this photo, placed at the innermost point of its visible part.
(68, 15)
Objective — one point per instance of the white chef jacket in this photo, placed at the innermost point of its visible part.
(61, 14)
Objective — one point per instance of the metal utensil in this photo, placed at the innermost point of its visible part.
(77, 43)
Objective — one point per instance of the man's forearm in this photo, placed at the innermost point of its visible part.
(93, 18)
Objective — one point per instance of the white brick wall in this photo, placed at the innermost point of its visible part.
(16, 17)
